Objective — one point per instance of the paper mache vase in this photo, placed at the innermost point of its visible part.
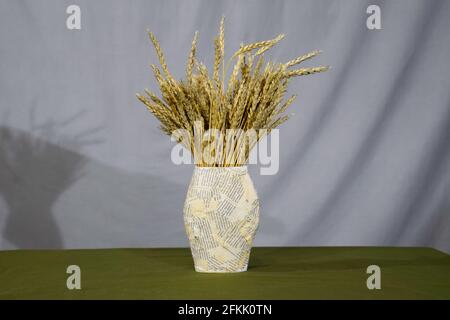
(221, 216)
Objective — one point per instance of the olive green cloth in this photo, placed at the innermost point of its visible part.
(274, 273)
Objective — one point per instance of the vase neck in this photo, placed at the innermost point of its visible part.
(239, 169)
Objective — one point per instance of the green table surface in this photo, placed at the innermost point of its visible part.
(274, 273)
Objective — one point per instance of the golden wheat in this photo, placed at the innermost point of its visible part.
(252, 102)
(262, 44)
(302, 58)
(191, 59)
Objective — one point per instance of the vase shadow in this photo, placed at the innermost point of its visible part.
(114, 207)
(313, 259)
(33, 174)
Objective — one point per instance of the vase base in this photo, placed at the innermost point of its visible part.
(201, 270)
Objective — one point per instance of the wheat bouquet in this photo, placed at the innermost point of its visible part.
(220, 117)
(216, 113)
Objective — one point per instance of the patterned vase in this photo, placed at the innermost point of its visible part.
(221, 216)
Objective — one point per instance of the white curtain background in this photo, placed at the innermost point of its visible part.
(364, 161)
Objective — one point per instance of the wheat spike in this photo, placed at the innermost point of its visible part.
(300, 59)
(306, 71)
(160, 55)
(191, 59)
(257, 45)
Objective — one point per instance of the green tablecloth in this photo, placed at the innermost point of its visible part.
(274, 273)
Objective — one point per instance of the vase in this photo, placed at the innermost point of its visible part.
(221, 217)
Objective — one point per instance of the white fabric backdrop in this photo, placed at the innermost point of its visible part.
(365, 160)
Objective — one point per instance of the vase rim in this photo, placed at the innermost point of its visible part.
(236, 168)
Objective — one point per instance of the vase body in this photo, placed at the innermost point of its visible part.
(221, 216)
